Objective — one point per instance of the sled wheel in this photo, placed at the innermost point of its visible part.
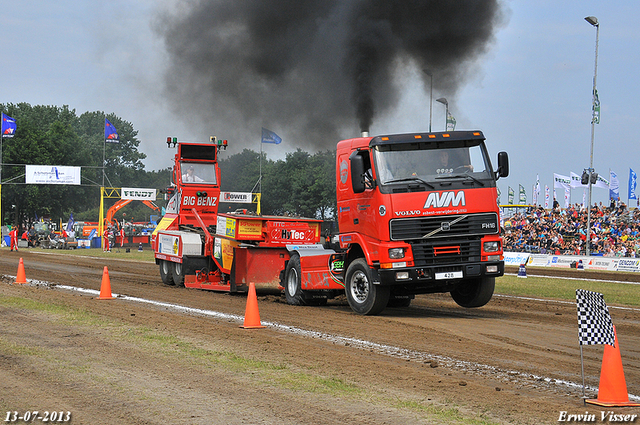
(178, 275)
(166, 272)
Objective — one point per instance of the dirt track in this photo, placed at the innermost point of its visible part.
(127, 362)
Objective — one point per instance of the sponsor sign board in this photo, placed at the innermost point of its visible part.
(591, 263)
(249, 228)
(52, 174)
(138, 194)
(168, 244)
(516, 258)
(236, 197)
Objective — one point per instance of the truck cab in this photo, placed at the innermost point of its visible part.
(196, 184)
(421, 211)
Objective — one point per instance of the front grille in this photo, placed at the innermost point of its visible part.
(406, 229)
(433, 253)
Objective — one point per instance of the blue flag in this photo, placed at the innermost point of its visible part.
(633, 182)
(110, 133)
(614, 186)
(8, 126)
(269, 136)
(70, 223)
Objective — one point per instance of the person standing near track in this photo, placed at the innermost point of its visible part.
(14, 238)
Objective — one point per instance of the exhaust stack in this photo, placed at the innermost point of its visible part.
(364, 134)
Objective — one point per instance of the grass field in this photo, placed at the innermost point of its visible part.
(618, 293)
(145, 255)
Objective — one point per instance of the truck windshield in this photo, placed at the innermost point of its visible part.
(198, 172)
(399, 163)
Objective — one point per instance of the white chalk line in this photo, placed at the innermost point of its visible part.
(510, 376)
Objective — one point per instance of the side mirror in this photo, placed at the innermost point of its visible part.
(357, 172)
(503, 165)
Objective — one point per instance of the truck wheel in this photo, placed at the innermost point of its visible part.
(293, 281)
(178, 275)
(475, 292)
(399, 302)
(364, 297)
(166, 272)
(293, 285)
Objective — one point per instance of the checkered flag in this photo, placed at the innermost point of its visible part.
(594, 321)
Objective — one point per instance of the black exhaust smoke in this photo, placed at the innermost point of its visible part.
(313, 67)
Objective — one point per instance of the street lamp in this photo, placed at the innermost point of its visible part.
(446, 110)
(593, 21)
(430, 96)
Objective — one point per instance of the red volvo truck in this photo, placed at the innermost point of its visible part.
(417, 214)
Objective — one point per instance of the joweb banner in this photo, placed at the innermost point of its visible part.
(138, 194)
(236, 197)
(52, 174)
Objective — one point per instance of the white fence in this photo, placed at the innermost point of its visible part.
(623, 264)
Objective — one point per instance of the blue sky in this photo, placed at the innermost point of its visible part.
(530, 94)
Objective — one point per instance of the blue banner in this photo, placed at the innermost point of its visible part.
(8, 126)
(110, 133)
(269, 136)
(633, 182)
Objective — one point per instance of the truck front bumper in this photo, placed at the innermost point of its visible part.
(440, 276)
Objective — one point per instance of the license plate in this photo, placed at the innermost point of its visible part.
(449, 275)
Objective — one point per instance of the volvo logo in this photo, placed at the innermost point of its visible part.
(444, 226)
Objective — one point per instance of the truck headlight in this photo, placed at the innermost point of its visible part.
(492, 246)
(396, 253)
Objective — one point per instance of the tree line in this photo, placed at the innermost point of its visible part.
(303, 184)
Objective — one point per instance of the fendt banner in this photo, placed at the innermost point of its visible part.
(137, 194)
(52, 174)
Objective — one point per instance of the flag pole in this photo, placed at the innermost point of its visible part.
(260, 179)
(584, 396)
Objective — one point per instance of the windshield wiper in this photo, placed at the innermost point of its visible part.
(407, 179)
(458, 176)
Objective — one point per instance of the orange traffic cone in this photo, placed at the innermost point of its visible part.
(613, 387)
(251, 314)
(105, 288)
(21, 277)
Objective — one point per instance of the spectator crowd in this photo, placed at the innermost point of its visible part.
(615, 231)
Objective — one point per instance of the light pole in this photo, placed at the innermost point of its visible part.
(446, 110)
(593, 21)
(430, 96)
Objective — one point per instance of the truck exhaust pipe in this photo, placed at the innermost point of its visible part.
(364, 133)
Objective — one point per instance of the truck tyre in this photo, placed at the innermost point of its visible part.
(166, 272)
(475, 292)
(293, 285)
(178, 274)
(399, 302)
(293, 281)
(364, 297)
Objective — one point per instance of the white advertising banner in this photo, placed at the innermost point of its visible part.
(570, 261)
(52, 174)
(538, 260)
(138, 194)
(628, 265)
(516, 258)
(236, 197)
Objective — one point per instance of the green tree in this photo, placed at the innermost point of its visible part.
(301, 185)
(51, 135)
